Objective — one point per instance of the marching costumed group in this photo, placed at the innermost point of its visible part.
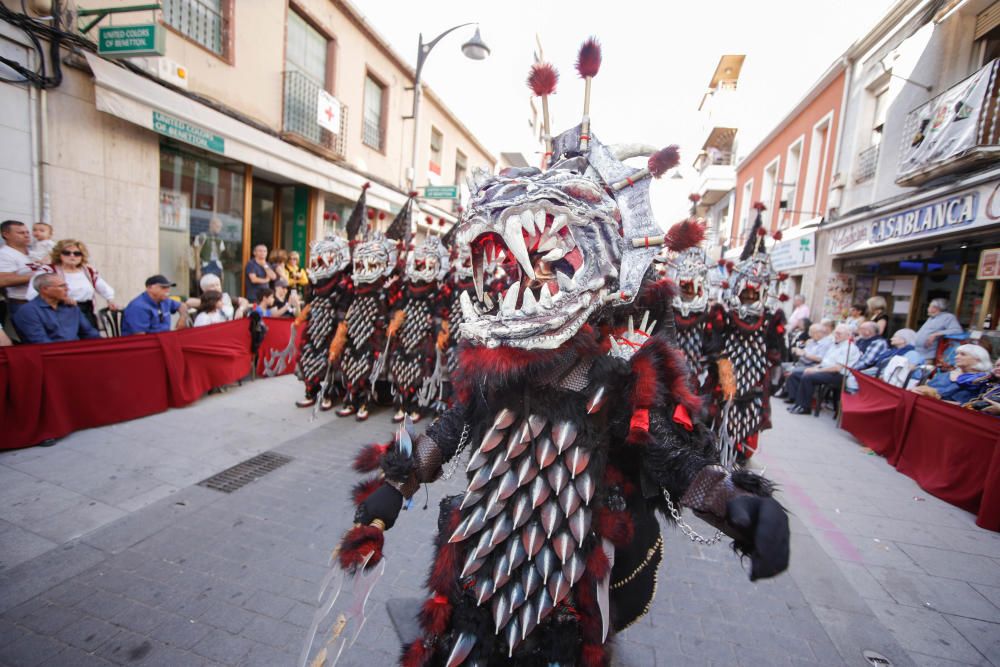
(579, 392)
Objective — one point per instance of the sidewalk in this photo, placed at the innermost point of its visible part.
(110, 553)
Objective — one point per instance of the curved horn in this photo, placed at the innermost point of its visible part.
(625, 151)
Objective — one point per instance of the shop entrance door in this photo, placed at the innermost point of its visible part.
(264, 214)
(279, 216)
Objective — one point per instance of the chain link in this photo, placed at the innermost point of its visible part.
(456, 457)
(686, 528)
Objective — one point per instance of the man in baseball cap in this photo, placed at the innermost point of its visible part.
(150, 311)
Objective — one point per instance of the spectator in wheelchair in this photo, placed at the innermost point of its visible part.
(965, 381)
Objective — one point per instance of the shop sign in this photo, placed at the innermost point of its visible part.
(989, 265)
(794, 253)
(441, 192)
(188, 133)
(328, 112)
(127, 41)
(973, 208)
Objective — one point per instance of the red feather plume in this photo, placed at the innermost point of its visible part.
(381, 215)
(359, 542)
(543, 79)
(782, 276)
(685, 234)
(759, 206)
(371, 214)
(724, 284)
(664, 159)
(730, 265)
(588, 61)
(364, 488)
(370, 456)
(777, 235)
(694, 197)
(761, 231)
(335, 217)
(783, 297)
(366, 185)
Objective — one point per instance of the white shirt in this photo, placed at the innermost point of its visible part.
(40, 252)
(15, 261)
(80, 287)
(845, 353)
(214, 317)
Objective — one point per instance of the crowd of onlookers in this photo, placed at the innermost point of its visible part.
(50, 291)
(821, 353)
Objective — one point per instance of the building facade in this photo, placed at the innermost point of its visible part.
(916, 204)
(259, 123)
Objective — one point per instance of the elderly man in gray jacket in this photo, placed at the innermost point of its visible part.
(939, 323)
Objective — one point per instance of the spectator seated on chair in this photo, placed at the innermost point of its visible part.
(47, 318)
(211, 283)
(150, 311)
(988, 401)
(963, 383)
(810, 354)
(871, 345)
(939, 323)
(841, 356)
(210, 310)
(265, 304)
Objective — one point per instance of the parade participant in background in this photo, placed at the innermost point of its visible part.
(459, 280)
(413, 356)
(150, 311)
(71, 260)
(554, 545)
(754, 344)
(323, 319)
(47, 318)
(41, 243)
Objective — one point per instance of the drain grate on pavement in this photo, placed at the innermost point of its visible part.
(241, 474)
(876, 659)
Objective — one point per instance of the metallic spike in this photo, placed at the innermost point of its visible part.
(470, 525)
(531, 580)
(499, 609)
(492, 438)
(539, 492)
(526, 470)
(483, 547)
(494, 505)
(472, 565)
(508, 485)
(528, 616)
(569, 500)
(504, 419)
(518, 441)
(558, 587)
(499, 467)
(545, 605)
(558, 477)
(516, 596)
(516, 555)
(604, 590)
(484, 589)
(597, 400)
(513, 633)
(579, 524)
(471, 498)
(533, 538)
(573, 569)
(551, 516)
(564, 546)
(501, 530)
(522, 510)
(585, 486)
(461, 650)
(536, 423)
(500, 576)
(563, 435)
(480, 479)
(545, 452)
(546, 563)
(477, 460)
(577, 460)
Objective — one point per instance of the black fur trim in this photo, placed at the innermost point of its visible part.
(754, 483)
(397, 466)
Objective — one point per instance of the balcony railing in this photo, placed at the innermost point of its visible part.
(956, 131)
(202, 21)
(301, 109)
(867, 161)
(713, 158)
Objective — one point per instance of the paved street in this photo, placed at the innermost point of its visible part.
(110, 553)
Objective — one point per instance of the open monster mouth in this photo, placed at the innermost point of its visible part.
(368, 269)
(750, 294)
(544, 303)
(689, 289)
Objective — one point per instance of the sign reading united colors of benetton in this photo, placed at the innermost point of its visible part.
(127, 41)
(188, 133)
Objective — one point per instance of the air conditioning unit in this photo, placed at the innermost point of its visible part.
(165, 69)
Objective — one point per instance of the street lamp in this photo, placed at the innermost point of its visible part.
(474, 49)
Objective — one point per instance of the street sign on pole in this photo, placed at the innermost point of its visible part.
(127, 41)
(441, 192)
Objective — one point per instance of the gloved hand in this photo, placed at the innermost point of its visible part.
(763, 527)
(383, 504)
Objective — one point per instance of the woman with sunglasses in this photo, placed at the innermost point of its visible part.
(69, 260)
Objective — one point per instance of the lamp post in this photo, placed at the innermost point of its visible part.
(474, 49)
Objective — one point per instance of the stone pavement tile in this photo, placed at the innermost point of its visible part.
(77, 521)
(39, 501)
(181, 632)
(820, 581)
(268, 656)
(274, 633)
(33, 577)
(863, 582)
(923, 660)
(275, 606)
(126, 648)
(626, 655)
(48, 619)
(944, 595)
(140, 618)
(104, 605)
(924, 631)
(74, 657)
(699, 648)
(18, 545)
(852, 633)
(30, 650)
(301, 614)
(226, 617)
(148, 497)
(984, 636)
(223, 647)
(947, 563)
(88, 633)
(991, 593)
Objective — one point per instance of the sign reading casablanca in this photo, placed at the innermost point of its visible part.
(964, 210)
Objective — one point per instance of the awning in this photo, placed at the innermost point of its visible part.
(135, 98)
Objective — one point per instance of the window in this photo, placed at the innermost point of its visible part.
(812, 199)
(373, 133)
(461, 167)
(768, 190)
(746, 207)
(437, 148)
(987, 35)
(790, 184)
(306, 50)
(879, 109)
(205, 22)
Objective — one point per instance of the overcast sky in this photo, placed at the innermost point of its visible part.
(658, 60)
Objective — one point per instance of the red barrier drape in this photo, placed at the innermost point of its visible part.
(275, 351)
(951, 453)
(51, 390)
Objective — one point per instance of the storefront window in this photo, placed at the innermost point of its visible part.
(201, 219)
(336, 211)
